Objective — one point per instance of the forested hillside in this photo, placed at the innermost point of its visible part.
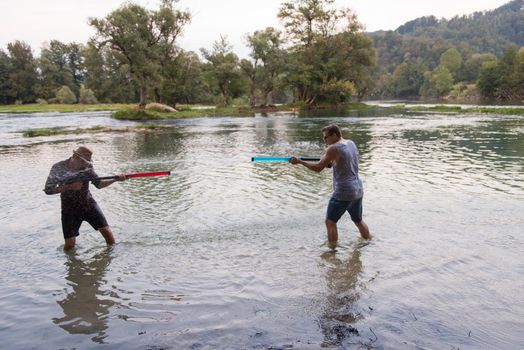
(410, 59)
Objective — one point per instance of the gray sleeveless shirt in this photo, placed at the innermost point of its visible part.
(347, 186)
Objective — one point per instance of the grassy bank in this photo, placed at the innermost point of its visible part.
(43, 108)
(460, 109)
(191, 112)
(94, 129)
(501, 110)
(187, 111)
(130, 112)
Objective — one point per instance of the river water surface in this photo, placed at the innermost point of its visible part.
(229, 254)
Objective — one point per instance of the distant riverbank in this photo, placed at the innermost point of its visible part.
(130, 112)
(62, 108)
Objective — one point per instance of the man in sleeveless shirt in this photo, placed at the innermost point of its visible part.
(70, 178)
(348, 191)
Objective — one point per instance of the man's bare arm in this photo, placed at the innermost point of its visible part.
(105, 183)
(327, 159)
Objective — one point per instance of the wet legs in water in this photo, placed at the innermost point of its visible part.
(332, 232)
(363, 229)
(108, 235)
(105, 231)
(69, 243)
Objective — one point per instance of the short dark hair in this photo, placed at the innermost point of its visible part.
(332, 129)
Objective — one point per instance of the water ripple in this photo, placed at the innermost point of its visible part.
(228, 253)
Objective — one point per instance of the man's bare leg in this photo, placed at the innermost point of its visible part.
(108, 235)
(332, 233)
(69, 243)
(363, 229)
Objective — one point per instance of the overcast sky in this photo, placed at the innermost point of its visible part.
(38, 21)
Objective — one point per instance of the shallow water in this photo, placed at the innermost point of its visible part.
(228, 254)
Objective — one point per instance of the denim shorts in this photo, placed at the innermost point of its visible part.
(71, 221)
(336, 209)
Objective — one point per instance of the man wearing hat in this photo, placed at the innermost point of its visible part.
(70, 178)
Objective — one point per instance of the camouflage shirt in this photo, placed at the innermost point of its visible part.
(72, 201)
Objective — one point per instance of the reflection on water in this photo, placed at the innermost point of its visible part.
(340, 314)
(86, 306)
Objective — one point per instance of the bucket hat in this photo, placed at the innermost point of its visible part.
(83, 153)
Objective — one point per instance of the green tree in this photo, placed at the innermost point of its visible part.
(75, 61)
(142, 39)
(488, 81)
(407, 79)
(5, 97)
(471, 68)
(87, 96)
(65, 95)
(357, 59)
(267, 65)
(306, 21)
(108, 78)
(343, 60)
(222, 70)
(250, 70)
(183, 81)
(23, 76)
(329, 58)
(97, 76)
(442, 81)
(519, 74)
(452, 60)
(55, 69)
(437, 83)
(508, 81)
(503, 80)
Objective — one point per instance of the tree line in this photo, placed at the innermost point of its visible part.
(321, 56)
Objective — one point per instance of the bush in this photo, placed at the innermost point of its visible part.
(464, 93)
(41, 101)
(65, 96)
(87, 96)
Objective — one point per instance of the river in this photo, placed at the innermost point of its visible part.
(230, 254)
